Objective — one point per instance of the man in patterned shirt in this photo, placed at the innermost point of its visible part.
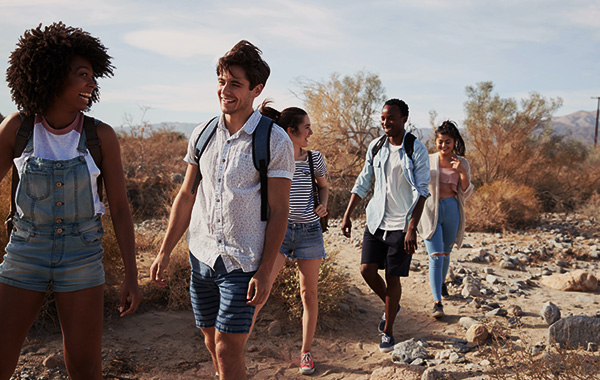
(232, 252)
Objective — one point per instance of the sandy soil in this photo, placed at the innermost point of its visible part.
(155, 344)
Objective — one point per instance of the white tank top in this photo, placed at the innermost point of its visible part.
(61, 144)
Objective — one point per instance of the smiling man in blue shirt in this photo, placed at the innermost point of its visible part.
(393, 212)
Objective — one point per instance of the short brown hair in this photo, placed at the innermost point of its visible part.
(248, 57)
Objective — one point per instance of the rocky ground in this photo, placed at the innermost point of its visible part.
(505, 285)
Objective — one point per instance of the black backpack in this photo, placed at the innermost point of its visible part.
(261, 154)
(24, 133)
(409, 144)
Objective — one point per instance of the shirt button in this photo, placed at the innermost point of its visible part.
(228, 141)
(219, 241)
(218, 220)
(60, 230)
(223, 160)
(59, 203)
(59, 184)
(219, 180)
(218, 200)
(58, 220)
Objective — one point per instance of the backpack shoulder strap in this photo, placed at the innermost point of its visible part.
(200, 145)
(23, 135)
(409, 144)
(378, 145)
(261, 155)
(312, 179)
(92, 143)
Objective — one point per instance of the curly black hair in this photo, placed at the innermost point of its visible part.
(40, 64)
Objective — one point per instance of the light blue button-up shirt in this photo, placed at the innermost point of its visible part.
(416, 172)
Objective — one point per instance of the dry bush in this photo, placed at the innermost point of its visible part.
(344, 111)
(591, 207)
(500, 205)
(332, 285)
(516, 359)
(4, 210)
(176, 295)
(153, 166)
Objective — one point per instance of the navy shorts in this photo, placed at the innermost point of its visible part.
(219, 298)
(386, 248)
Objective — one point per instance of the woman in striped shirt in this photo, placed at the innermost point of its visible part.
(304, 237)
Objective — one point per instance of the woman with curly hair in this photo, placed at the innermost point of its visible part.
(442, 223)
(56, 239)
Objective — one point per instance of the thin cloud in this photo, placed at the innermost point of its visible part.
(178, 43)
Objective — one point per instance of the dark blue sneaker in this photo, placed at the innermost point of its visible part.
(381, 326)
(387, 343)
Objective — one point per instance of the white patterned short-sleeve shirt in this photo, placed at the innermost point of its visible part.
(226, 214)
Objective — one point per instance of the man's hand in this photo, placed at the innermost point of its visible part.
(347, 226)
(159, 266)
(410, 241)
(259, 289)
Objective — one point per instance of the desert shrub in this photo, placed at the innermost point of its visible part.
(344, 112)
(590, 208)
(4, 210)
(153, 166)
(500, 205)
(516, 359)
(176, 295)
(332, 283)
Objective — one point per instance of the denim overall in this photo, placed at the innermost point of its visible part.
(57, 238)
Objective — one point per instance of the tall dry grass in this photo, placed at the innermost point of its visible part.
(154, 168)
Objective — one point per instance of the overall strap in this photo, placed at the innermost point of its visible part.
(93, 145)
(315, 188)
(23, 135)
(201, 143)
(261, 155)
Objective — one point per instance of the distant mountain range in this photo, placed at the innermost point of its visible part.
(580, 125)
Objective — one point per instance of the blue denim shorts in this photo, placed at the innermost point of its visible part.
(219, 298)
(303, 241)
(68, 258)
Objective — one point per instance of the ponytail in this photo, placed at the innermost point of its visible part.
(450, 129)
(288, 119)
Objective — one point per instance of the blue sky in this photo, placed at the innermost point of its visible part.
(424, 51)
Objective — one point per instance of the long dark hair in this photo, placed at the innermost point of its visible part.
(450, 129)
(288, 119)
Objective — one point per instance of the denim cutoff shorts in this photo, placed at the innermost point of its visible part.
(68, 257)
(219, 297)
(303, 241)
